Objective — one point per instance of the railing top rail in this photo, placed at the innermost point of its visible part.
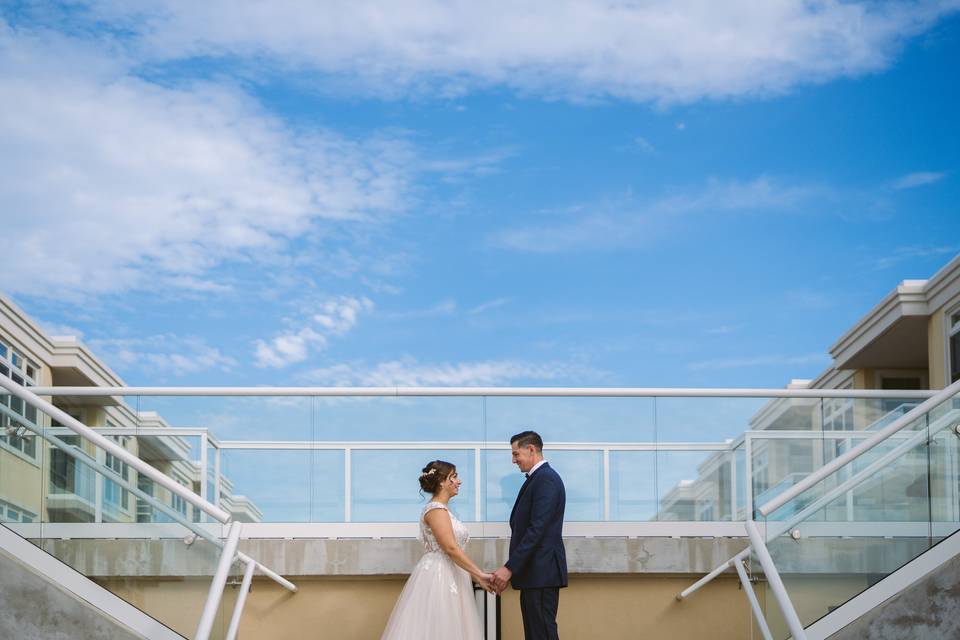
(840, 461)
(586, 392)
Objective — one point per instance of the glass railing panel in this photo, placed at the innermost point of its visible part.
(565, 423)
(633, 487)
(22, 460)
(256, 418)
(695, 485)
(581, 470)
(283, 485)
(713, 419)
(583, 482)
(178, 457)
(945, 470)
(571, 419)
(864, 414)
(780, 460)
(867, 519)
(385, 484)
(501, 484)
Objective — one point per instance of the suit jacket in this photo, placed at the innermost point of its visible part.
(537, 557)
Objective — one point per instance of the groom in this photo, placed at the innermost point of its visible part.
(538, 562)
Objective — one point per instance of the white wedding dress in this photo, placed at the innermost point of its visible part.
(437, 601)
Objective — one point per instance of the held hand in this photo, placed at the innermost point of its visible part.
(485, 580)
(501, 578)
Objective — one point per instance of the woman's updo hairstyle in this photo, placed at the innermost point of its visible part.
(434, 474)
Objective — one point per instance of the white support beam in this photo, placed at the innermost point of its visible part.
(219, 581)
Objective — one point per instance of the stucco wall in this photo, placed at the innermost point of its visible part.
(609, 607)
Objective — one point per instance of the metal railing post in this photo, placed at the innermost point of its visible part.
(606, 484)
(347, 481)
(219, 582)
(773, 579)
(748, 476)
(752, 597)
(477, 490)
(241, 601)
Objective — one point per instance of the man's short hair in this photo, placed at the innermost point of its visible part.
(525, 438)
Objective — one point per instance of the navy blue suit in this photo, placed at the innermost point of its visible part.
(538, 561)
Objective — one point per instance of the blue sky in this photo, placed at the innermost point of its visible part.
(431, 193)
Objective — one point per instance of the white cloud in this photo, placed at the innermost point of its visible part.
(644, 145)
(334, 318)
(487, 306)
(900, 254)
(340, 315)
(408, 372)
(288, 348)
(111, 183)
(723, 329)
(667, 51)
(760, 361)
(61, 330)
(918, 179)
(625, 223)
(163, 354)
(810, 299)
(443, 308)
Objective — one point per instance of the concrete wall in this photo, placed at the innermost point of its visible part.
(171, 558)
(624, 587)
(928, 609)
(34, 609)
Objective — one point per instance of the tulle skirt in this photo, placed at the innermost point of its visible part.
(436, 603)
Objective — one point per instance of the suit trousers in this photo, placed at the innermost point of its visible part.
(539, 610)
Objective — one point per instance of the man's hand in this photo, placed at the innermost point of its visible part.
(501, 579)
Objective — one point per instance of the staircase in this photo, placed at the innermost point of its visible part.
(849, 546)
(73, 605)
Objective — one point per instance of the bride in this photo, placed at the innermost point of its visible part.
(437, 601)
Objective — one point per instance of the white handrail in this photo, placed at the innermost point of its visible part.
(828, 469)
(774, 581)
(241, 601)
(752, 597)
(207, 618)
(114, 449)
(588, 392)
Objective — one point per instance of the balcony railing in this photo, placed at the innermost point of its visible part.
(635, 461)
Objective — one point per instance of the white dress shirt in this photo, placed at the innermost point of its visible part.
(535, 467)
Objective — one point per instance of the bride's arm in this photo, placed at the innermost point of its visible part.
(439, 522)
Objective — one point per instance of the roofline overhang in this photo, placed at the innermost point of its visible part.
(911, 298)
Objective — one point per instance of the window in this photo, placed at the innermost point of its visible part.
(838, 414)
(23, 371)
(63, 468)
(12, 513)
(114, 495)
(953, 344)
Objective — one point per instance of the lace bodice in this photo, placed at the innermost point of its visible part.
(426, 534)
